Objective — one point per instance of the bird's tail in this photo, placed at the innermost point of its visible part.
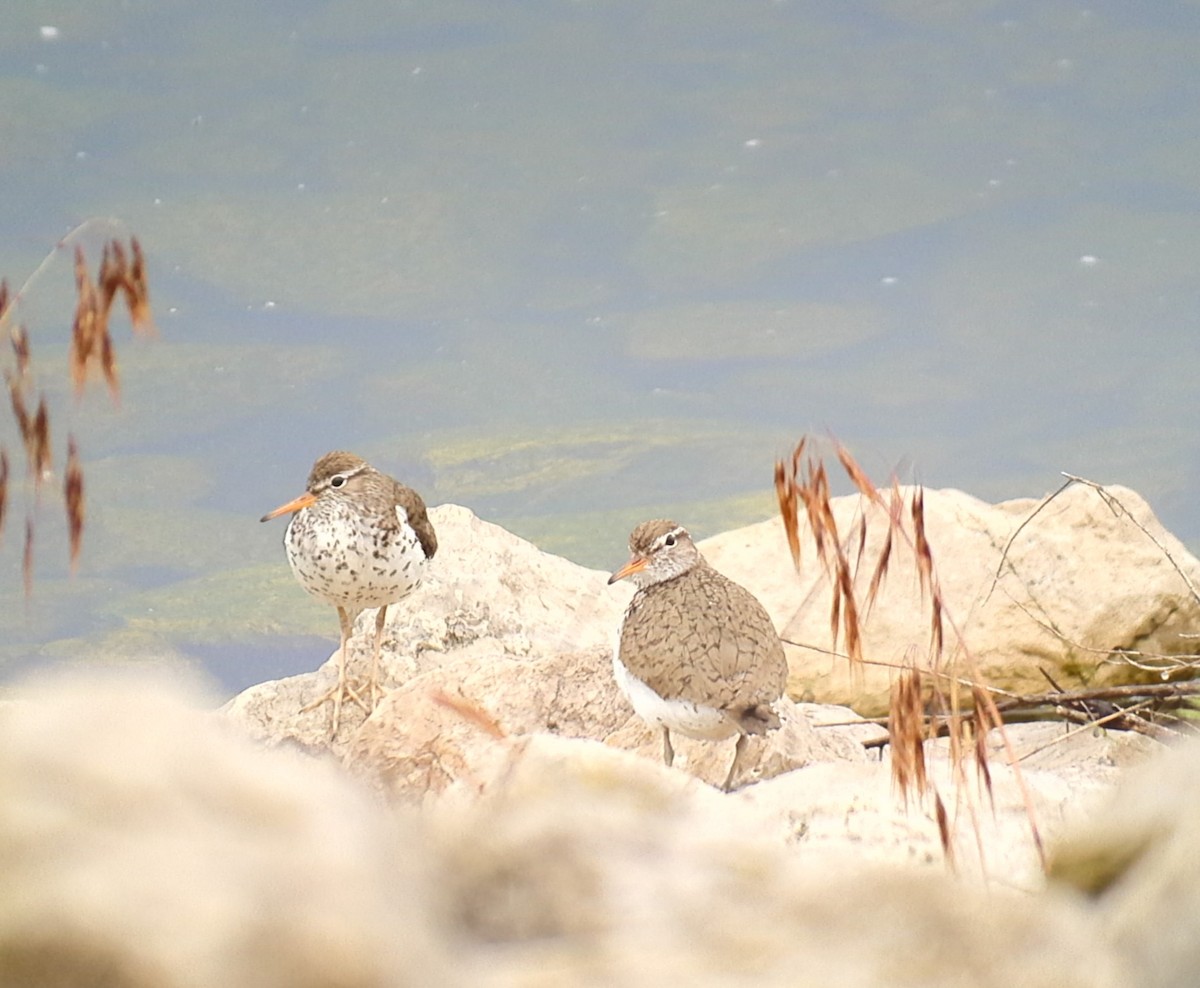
(759, 719)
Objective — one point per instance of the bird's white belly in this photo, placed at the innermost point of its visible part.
(692, 719)
(350, 565)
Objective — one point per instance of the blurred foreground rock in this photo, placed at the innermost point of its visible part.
(1139, 858)
(144, 842)
(590, 866)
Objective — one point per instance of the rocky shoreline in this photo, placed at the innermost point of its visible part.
(502, 818)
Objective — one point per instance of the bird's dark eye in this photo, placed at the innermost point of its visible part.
(669, 540)
(337, 480)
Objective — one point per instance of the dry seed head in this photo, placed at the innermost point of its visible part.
(16, 395)
(41, 462)
(73, 496)
(857, 475)
(20, 345)
(3, 487)
(472, 713)
(27, 559)
(137, 291)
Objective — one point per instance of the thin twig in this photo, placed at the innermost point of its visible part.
(1013, 538)
(1114, 503)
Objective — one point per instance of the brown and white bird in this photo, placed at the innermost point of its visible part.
(697, 653)
(357, 539)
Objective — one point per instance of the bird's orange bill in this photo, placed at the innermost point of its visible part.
(303, 501)
(635, 565)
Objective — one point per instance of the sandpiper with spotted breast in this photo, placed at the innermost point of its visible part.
(357, 539)
(697, 653)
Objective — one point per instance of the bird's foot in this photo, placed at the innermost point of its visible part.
(341, 691)
(378, 692)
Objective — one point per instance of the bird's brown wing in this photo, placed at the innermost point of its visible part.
(418, 517)
(704, 638)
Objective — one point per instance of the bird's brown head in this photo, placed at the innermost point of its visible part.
(332, 472)
(659, 550)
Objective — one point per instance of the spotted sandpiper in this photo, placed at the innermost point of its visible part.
(698, 653)
(357, 539)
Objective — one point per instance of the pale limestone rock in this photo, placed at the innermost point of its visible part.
(147, 843)
(489, 595)
(433, 732)
(1078, 567)
(854, 813)
(794, 744)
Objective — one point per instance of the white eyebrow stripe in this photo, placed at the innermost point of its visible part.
(348, 474)
(677, 531)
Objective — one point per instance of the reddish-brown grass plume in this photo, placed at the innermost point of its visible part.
(471, 712)
(91, 341)
(40, 459)
(3, 488)
(27, 559)
(20, 345)
(928, 697)
(121, 275)
(907, 730)
(85, 329)
(137, 292)
(73, 497)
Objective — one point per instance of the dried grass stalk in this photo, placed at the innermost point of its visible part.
(73, 496)
(91, 341)
(40, 461)
(907, 732)
(926, 699)
(471, 712)
(85, 328)
(3, 488)
(857, 475)
(20, 344)
(27, 559)
(121, 274)
(945, 829)
(108, 368)
(137, 292)
(16, 397)
(786, 495)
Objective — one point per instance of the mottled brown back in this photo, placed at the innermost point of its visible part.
(703, 638)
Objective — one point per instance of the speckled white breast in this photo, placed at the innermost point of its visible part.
(693, 719)
(346, 561)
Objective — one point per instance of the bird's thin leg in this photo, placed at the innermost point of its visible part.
(380, 618)
(347, 625)
(668, 751)
(343, 688)
(738, 751)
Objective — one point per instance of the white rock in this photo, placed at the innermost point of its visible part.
(1079, 582)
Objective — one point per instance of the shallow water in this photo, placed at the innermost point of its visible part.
(577, 265)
